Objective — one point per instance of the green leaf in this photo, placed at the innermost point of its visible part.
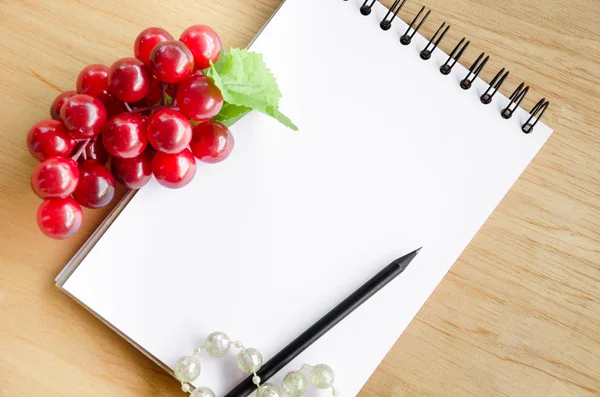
(282, 118)
(220, 62)
(245, 81)
(230, 114)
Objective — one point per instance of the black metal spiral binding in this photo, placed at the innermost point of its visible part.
(366, 9)
(475, 69)
(515, 98)
(446, 68)
(386, 24)
(405, 39)
(426, 52)
(540, 108)
(495, 84)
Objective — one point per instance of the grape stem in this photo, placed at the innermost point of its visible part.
(174, 99)
(80, 149)
(153, 108)
(163, 94)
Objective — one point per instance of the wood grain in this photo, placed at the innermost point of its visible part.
(518, 314)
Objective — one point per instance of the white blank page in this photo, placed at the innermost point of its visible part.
(391, 155)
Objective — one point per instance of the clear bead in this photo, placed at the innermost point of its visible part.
(238, 344)
(335, 392)
(268, 390)
(256, 380)
(217, 344)
(186, 387)
(187, 369)
(249, 360)
(322, 376)
(294, 383)
(202, 392)
(305, 368)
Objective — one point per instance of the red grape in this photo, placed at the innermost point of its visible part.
(171, 62)
(154, 95)
(49, 138)
(174, 170)
(211, 142)
(55, 177)
(169, 131)
(112, 105)
(199, 99)
(84, 116)
(58, 102)
(125, 135)
(94, 150)
(204, 43)
(59, 217)
(133, 173)
(147, 40)
(93, 80)
(129, 80)
(96, 187)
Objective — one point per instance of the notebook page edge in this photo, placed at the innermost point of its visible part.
(119, 332)
(80, 255)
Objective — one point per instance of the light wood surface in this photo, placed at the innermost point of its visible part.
(518, 314)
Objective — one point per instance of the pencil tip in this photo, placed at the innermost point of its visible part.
(404, 261)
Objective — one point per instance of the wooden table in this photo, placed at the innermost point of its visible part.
(518, 315)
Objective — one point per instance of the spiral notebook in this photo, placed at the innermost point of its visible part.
(400, 146)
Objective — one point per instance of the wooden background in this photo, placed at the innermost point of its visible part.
(518, 315)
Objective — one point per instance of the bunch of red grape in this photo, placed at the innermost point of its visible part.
(151, 115)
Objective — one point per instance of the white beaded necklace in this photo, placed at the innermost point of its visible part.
(249, 361)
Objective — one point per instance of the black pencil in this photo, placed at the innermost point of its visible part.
(328, 321)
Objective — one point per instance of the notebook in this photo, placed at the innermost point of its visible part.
(391, 155)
